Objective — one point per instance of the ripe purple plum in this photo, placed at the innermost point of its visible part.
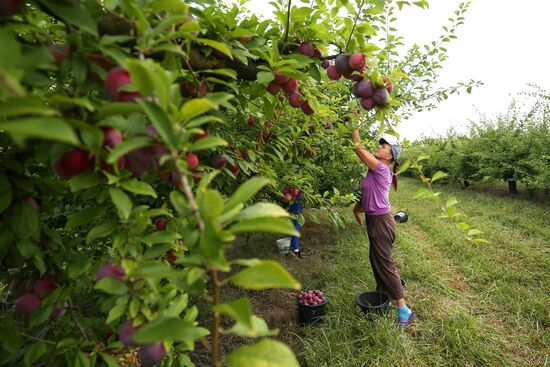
(325, 64)
(44, 286)
(342, 63)
(368, 103)
(192, 160)
(27, 304)
(380, 96)
(295, 99)
(365, 89)
(110, 270)
(357, 61)
(151, 354)
(219, 162)
(117, 78)
(290, 86)
(307, 48)
(126, 331)
(306, 108)
(333, 73)
(9, 7)
(111, 137)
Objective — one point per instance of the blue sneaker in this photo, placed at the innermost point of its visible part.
(405, 316)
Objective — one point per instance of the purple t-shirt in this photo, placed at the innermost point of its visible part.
(375, 190)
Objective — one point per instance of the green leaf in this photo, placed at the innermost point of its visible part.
(451, 202)
(84, 181)
(196, 107)
(109, 361)
(25, 106)
(262, 210)
(152, 270)
(84, 216)
(121, 201)
(47, 128)
(222, 47)
(259, 328)
(266, 274)
(40, 316)
(24, 221)
(34, 352)
(111, 286)
(404, 166)
(438, 175)
(177, 306)
(99, 231)
(179, 202)
(207, 143)
(5, 192)
(160, 237)
(210, 204)
(117, 108)
(138, 187)
(169, 329)
(267, 353)
(239, 310)
(161, 122)
(73, 13)
(9, 337)
(117, 310)
(273, 225)
(127, 146)
(245, 192)
(79, 267)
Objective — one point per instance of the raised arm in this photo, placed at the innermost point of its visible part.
(367, 157)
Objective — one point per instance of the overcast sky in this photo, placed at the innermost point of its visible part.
(503, 43)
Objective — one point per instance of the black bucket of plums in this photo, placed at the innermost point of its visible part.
(311, 306)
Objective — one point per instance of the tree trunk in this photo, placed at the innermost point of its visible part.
(512, 187)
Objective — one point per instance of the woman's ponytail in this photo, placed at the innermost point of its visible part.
(394, 175)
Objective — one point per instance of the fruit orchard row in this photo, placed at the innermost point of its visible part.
(139, 138)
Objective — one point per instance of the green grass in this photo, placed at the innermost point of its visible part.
(477, 305)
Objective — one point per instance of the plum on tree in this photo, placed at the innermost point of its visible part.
(219, 162)
(110, 270)
(333, 73)
(342, 63)
(73, 163)
(295, 99)
(364, 89)
(117, 78)
(111, 137)
(27, 304)
(357, 61)
(380, 96)
(307, 49)
(44, 286)
(368, 103)
(126, 331)
(192, 160)
(9, 7)
(61, 53)
(151, 354)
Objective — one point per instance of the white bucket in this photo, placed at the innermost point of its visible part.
(284, 245)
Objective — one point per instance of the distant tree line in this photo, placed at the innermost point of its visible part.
(513, 147)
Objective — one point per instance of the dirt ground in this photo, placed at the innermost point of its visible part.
(276, 306)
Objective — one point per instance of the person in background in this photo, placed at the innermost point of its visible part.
(379, 220)
(296, 209)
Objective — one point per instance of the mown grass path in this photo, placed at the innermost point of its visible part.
(477, 305)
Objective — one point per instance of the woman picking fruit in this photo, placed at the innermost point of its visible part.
(380, 223)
